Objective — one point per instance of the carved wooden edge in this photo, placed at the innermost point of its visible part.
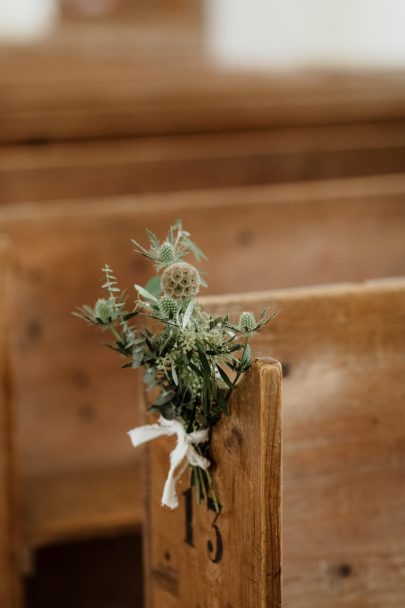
(269, 373)
(10, 587)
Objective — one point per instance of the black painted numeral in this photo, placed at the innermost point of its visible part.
(188, 521)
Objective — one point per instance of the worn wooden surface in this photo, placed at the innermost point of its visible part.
(270, 237)
(57, 171)
(343, 351)
(9, 588)
(195, 559)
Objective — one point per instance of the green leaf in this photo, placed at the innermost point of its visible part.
(153, 286)
(188, 313)
(224, 377)
(246, 356)
(154, 241)
(146, 294)
(204, 362)
(174, 374)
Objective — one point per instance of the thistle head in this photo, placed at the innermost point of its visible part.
(180, 280)
(247, 322)
(167, 254)
(168, 307)
(104, 311)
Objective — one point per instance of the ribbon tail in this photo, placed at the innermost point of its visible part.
(169, 497)
(142, 434)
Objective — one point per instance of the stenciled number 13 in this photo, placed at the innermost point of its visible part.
(214, 551)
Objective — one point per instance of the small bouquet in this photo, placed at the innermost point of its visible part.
(192, 360)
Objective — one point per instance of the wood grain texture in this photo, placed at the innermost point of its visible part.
(56, 171)
(276, 236)
(343, 351)
(9, 583)
(246, 448)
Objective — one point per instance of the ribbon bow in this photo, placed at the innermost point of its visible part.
(184, 449)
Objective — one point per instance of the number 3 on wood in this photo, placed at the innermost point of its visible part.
(189, 533)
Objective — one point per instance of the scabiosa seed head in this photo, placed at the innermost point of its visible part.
(104, 310)
(181, 280)
(166, 254)
(247, 322)
(168, 306)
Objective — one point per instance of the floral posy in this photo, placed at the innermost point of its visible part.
(192, 360)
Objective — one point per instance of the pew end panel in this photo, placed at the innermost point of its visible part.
(193, 557)
(343, 353)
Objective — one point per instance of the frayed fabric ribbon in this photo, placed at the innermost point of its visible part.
(184, 449)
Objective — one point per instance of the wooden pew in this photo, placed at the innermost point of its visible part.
(195, 558)
(343, 353)
(61, 170)
(126, 110)
(79, 471)
(9, 578)
(140, 86)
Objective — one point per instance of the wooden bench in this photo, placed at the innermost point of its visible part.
(61, 170)
(73, 403)
(196, 558)
(137, 86)
(9, 567)
(343, 352)
(141, 110)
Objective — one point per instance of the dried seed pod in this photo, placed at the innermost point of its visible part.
(181, 280)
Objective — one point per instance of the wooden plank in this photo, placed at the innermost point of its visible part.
(81, 504)
(77, 92)
(9, 583)
(80, 169)
(343, 350)
(314, 232)
(235, 559)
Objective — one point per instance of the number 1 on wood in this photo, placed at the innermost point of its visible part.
(188, 511)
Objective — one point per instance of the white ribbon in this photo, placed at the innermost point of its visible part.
(184, 449)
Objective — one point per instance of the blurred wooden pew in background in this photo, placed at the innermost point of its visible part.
(143, 110)
(73, 403)
(242, 564)
(9, 553)
(60, 170)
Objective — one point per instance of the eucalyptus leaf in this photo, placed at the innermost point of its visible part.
(188, 313)
(146, 294)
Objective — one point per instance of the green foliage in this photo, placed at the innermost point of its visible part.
(192, 360)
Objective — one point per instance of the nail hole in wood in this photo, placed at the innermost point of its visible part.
(87, 413)
(34, 329)
(80, 378)
(344, 570)
(245, 238)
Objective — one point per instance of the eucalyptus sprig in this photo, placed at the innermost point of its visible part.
(192, 360)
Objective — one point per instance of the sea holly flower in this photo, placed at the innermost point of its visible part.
(168, 307)
(192, 360)
(167, 254)
(247, 322)
(105, 310)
